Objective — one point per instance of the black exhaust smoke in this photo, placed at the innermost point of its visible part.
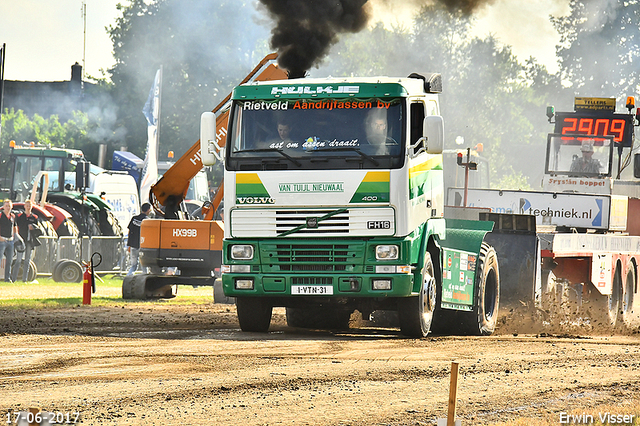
(306, 29)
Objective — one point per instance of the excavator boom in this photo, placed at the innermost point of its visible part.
(172, 188)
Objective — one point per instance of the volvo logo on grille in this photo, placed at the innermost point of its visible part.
(312, 222)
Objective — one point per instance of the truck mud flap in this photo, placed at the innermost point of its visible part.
(515, 241)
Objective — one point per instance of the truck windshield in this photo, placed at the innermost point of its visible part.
(577, 156)
(305, 134)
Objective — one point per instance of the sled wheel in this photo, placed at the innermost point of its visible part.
(606, 307)
(626, 308)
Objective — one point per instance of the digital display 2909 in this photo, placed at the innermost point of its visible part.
(620, 126)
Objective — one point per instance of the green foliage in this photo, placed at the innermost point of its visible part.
(74, 133)
(599, 50)
(488, 96)
(205, 48)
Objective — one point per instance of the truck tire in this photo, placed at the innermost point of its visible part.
(68, 271)
(254, 314)
(416, 313)
(483, 319)
(318, 318)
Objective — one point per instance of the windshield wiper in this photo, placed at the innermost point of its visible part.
(351, 148)
(284, 154)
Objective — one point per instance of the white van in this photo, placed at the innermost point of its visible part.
(119, 190)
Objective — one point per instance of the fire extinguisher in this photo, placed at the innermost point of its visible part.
(89, 279)
(88, 283)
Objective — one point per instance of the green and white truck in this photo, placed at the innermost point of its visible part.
(334, 203)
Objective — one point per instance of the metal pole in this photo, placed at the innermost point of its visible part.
(466, 178)
(3, 52)
(84, 45)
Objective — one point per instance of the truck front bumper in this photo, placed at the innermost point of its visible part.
(321, 285)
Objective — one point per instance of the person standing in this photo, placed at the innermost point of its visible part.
(7, 229)
(133, 241)
(26, 222)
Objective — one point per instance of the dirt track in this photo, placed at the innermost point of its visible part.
(160, 364)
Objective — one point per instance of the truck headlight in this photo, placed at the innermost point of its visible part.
(387, 252)
(241, 252)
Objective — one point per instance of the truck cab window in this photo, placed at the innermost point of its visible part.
(417, 117)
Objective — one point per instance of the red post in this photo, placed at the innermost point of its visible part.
(86, 286)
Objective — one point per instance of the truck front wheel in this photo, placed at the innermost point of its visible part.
(254, 314)
(415, 313)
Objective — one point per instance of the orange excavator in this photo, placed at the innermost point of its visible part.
(175, 241)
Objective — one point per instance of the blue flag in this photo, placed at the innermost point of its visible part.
(151, 111)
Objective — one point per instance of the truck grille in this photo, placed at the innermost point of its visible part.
(316, 257)
(301, 223)
(289, 219)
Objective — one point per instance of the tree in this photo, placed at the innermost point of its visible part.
(488, 97)
(79, 132)
(599, 48)
(204, 47)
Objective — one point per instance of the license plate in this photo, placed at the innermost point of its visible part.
(312, 290)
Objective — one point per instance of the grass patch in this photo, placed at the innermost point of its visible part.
(47, 294)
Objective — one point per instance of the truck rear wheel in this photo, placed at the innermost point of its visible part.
(483, 319)
(254, 314)
(416, 313)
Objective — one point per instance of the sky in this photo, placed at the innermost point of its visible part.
(44, 38)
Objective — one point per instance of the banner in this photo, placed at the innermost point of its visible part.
(151, 111)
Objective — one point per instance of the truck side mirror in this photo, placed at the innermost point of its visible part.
(433, 130)
(209, 149)
(636, 165)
